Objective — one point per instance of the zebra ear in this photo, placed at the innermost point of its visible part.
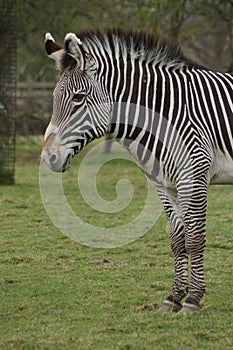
(75, 48)
(53, 50)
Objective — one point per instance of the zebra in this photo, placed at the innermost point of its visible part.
(172, 114)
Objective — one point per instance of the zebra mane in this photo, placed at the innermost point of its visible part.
(137, 45)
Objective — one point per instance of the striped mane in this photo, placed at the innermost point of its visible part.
(137, 45)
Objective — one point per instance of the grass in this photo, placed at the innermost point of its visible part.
(57, 294)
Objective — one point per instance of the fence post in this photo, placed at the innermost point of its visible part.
(8, 33)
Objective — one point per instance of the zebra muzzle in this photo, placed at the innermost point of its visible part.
(56, 162)
(68, 161)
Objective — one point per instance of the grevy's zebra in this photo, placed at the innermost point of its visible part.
(174, 116)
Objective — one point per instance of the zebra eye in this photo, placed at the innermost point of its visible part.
(78, 97)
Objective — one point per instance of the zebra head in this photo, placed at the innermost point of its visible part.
(81, 105)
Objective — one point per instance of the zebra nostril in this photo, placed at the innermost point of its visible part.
(53, 158)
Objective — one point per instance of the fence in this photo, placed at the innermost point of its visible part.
(34, 107)
(34, 90)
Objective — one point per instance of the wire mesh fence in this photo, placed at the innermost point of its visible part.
(8, 34)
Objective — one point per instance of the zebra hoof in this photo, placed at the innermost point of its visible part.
(170, 306)
(189, 308)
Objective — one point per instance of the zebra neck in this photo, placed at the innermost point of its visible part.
(144, 97)
(135, 129)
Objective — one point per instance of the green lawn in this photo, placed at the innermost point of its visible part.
(57, 294)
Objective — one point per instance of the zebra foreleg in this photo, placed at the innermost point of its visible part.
(180, 284)
(195, 238)
(177, 236)
(195, 243)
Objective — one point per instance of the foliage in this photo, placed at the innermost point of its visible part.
(58, 294)
(159, 16)
(205, 32)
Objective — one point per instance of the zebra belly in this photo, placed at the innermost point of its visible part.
(221, 171)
